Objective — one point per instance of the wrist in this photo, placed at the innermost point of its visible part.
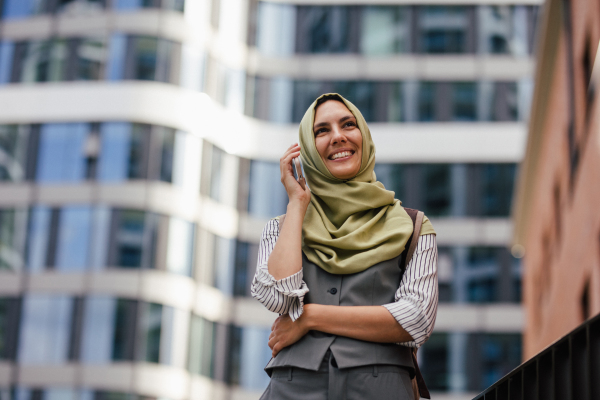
(307, 317)
(297, 207)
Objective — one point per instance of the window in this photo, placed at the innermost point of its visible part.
(124, 149)
(180, 248)
(443, 29)
(361, 94)
(24, 8)
(132, 242)
(150, 332)
(61, 153)
(109, 330)
(74, 232)
(267, 197)
(202, 346)
(149, 58)
(88, 59)
(246, 255)
(7, 49)
(464, 101)
(275, 29)
(326, 29)
(45, 329)
(436, 189)
(434, 362)
(9, 325)
(79, 6)
(497, 186)
(248, 355)
(175, 5)
(13, 228)
(40, 61)
(13, 152)
(503, 30)
(426, 102)
(492, 356)
(305, 92)
(393, 177)
(223, 264)
(385, 30)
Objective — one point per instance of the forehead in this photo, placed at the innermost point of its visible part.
(331, 110)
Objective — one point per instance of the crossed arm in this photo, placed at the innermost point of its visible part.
(369, 323)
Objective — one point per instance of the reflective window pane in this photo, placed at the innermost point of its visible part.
(7, 49)
(9, 323)
(99, 329)
(90, 54)
(23, 8)
(223, 264)
(385, 30)
(202, 346)
(41, 61)
(326, 29)
(426, 102)
(436, 189)
(45, 329)
(142, 58)
(275, 29)
(443, 29)
(133, 239)
(39, 231)
(503, 30)
(464, 101)
(116, 57)
(267, 197)
(246, 255)
(74, 7)
(150, 318)
(74, 233)
(361, 94)
(180, 246)
(167, 152)
(13, 228)
(61, 154)
(123, 153)
(491, 357)
(134, 4)
(13, 152)
(124, 337)
(249, 354)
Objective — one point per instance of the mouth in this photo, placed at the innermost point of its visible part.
(341, 155)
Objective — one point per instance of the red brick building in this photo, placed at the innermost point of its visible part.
(556, 210)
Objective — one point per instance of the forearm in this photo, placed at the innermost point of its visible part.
(286, 258)
(368, 323)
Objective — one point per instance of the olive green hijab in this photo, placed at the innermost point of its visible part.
(350, 225)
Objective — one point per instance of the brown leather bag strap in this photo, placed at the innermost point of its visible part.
(415, 237)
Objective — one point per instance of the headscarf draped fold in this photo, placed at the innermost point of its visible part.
(350, 225)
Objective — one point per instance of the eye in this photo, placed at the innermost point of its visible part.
(320, 130)
(349, 124)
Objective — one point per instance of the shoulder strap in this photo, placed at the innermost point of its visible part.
(418, 222)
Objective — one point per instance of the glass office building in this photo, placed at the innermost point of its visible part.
(139, 148)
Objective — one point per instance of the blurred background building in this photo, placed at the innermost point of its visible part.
(557, 224)
(139, 147)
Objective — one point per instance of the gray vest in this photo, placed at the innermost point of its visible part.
(376, 285)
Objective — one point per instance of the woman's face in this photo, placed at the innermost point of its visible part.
(338, 139)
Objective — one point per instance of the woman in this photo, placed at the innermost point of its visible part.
(349, 315)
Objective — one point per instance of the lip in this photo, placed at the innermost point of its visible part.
(341, 158)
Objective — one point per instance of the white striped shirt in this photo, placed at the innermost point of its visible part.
(415, 301)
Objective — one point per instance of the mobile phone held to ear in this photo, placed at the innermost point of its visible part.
(298, 169)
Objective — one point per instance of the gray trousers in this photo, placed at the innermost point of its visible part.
(380, 382)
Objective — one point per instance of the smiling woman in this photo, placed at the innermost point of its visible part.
(344, 238)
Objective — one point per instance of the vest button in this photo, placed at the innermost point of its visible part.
(333, 290)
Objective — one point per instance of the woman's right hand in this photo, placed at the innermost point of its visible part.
(296, 194)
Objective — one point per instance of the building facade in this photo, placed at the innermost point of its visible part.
(556, 217)
(139, 147)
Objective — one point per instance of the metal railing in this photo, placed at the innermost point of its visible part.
(569, 369)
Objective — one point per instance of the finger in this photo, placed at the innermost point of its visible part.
(292, 148)
(272, 343)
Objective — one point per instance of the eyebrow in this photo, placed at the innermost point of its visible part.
(344, 118)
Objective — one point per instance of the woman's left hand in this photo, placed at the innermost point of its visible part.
(285, 332)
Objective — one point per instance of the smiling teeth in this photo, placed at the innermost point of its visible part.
(341, 154)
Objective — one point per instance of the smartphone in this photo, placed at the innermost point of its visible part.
(298, 169)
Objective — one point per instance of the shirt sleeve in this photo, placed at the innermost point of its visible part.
(416, 300)
(284, 296)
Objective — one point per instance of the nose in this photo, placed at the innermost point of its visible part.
(337, 135)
